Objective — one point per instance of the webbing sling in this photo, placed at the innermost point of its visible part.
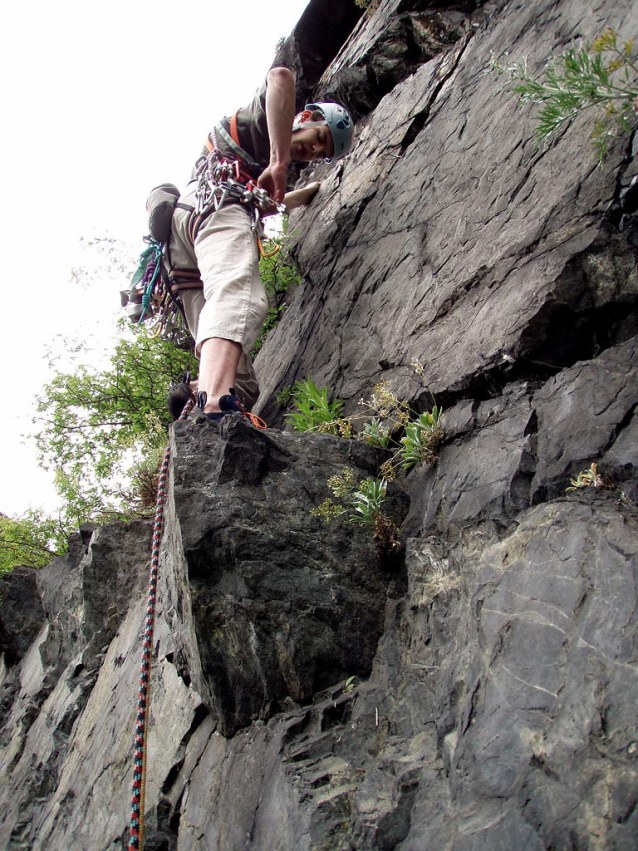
(232, 140)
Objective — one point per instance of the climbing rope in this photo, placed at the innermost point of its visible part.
(136, 829)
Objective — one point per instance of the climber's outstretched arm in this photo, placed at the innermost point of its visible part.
(301, 197)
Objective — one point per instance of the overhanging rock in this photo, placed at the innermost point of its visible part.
(267, 604)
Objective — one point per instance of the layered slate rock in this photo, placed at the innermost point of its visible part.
(526, 445)
(304, 695)
(315, 41)
(450, 236)
(270, 604)
(60, 726)
(500, 712)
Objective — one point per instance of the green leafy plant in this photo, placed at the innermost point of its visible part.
(369, 5)
(376, 434)
(361, 502)
(313, 409)
(602, 77)
(368, 500)
(589, 478)
(284, 396)
(31, 540)
(349, 684)
(422, 440)
(390, 415)
(280, 276)
(96, 426)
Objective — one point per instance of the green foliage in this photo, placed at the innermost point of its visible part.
(369, 5)
(29, 541)
(422, 439)
(602, 76)
(589, 478)
(284, 396)
(359, 501)
(362, 502)
(422, 436)
(343, 485)
(313, 410)
(376, 434)
(279, 275)
(367, 501)
(349, 685)
(95, 424)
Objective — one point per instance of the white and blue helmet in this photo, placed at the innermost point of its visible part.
(340, 124)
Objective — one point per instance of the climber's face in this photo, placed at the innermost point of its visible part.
(312, 141)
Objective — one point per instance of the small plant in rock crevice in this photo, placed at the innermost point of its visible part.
(314, 411)
(387, 416)
(280, 276)
(361, 501)
(591, 478)
(369, 5)
(601, 76)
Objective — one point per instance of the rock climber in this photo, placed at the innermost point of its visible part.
(216, 242)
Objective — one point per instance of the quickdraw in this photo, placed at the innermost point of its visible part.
(222, 180)
(152, 274)
(149, 296)
(136, 827)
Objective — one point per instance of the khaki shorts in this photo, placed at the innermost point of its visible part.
(246, 383)
(233, 304)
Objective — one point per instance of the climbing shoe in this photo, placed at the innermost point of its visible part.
(229, 404)
(179, 393)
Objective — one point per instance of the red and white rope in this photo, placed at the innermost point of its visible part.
(136, 828)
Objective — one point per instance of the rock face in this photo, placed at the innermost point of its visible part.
(269, 593)
(477, 691)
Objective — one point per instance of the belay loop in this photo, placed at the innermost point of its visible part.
(136, 828)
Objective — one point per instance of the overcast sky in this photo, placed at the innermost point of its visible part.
(99, 103)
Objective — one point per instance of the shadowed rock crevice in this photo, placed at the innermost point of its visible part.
(398, 40)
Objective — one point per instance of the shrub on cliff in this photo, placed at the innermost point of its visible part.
(29, 541)
(601, 76)
(97, 426)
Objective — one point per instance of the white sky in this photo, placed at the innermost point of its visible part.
(99, 102)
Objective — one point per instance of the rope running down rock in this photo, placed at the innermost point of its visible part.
(136, 829)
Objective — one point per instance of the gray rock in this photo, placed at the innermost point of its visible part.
(451, 237)
(478, 691)
(503, 455)
(21, 614)
(269, 593)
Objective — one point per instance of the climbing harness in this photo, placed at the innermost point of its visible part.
(136, 828)
(221, 180)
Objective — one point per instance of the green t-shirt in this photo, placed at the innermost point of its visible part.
(252, 130)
